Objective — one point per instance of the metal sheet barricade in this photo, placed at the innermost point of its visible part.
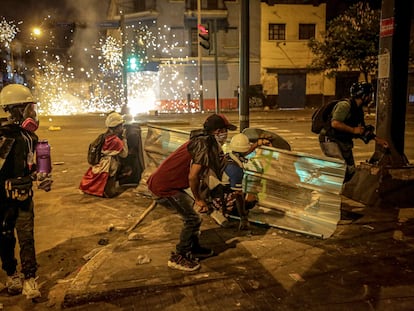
(159, 142)
(296, 191)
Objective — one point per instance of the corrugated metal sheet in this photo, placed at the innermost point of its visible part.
(296, 191)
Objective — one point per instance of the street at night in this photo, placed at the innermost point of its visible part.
(366, 263)
(300, 228)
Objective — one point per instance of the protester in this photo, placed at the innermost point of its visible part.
(347, 123)
(17, 173)
(101, 179)
(195, 160)
(228, 197)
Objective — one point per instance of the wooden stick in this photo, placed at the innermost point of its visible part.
(143, 215)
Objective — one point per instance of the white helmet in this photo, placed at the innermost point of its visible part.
(13, 94)
(240, 143)
(114, 119)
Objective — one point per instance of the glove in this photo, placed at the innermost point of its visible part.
(44, 182)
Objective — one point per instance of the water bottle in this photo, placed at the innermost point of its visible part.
(44, 164)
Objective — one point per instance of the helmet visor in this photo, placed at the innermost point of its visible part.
(30, 111)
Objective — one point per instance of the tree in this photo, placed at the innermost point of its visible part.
(351, 41)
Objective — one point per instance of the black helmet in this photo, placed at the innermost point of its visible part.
(361, 89)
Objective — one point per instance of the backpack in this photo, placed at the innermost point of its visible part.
(322, 116)
(94, 151)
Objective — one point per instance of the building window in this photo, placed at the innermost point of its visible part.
(277, 31)
(306, 31)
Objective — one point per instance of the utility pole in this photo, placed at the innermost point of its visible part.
(388, 178)
(244, 41)
(124, 58)
(216, 67)
(200, 66)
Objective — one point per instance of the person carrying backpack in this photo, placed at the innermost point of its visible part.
(347, 122)
(100, 179)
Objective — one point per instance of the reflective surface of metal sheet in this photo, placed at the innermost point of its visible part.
(296, 191)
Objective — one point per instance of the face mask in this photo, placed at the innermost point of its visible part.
(30, 125)
(30, 121)
(221, 138)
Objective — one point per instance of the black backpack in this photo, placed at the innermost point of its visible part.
(322, 116)
(95, 148)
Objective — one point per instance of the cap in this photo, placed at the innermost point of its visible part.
(218, 121)
(113, 119)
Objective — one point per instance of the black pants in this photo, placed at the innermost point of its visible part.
(20, 217)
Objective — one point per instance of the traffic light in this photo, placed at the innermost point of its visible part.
(204, 35)
(133, 63)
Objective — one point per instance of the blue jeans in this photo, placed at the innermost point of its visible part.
(189, 235)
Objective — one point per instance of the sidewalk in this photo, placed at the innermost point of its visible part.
(366, 265)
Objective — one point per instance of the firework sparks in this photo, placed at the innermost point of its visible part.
(8, 31)
(158, 82)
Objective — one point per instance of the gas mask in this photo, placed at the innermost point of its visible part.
(30, 120)
(221, 138)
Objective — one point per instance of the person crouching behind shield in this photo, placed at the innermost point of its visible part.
(228, 198)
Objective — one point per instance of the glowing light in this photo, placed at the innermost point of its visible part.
(8, 31)
(37, 31)
(162, 83)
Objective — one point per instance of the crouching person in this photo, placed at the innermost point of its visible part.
(182, 171)
(229, 198)
(101, 179)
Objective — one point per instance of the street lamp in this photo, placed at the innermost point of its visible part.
(37, 31)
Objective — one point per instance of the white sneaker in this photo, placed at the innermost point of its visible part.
(31, 289)
(14, 284)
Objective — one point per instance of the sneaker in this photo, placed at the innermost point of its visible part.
(31, 289)
(14, 284)
(183, 263)
(219, 218)
(199, 252)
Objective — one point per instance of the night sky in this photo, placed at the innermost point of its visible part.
(33, 12)
(64, 14)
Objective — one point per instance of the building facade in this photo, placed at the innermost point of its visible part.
(163, 36)
(286, 28)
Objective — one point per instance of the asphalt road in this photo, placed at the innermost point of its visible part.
(68, 225)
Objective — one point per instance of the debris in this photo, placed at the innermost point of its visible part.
(134, 236)
(92, 253)
(145, 213)
(110, 228)
(63, 281)
(143, 259)
(296, 277)
(253, 284)
(398, 235)
(103, 241)
(54, 128)
(58, 163)
(368, 227)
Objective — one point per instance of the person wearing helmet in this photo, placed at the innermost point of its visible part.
(17, 173)
(197, 159)
(229, 197)
(100, 179)
(347, 122)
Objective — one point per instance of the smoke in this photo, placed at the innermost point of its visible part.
(86, 14)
